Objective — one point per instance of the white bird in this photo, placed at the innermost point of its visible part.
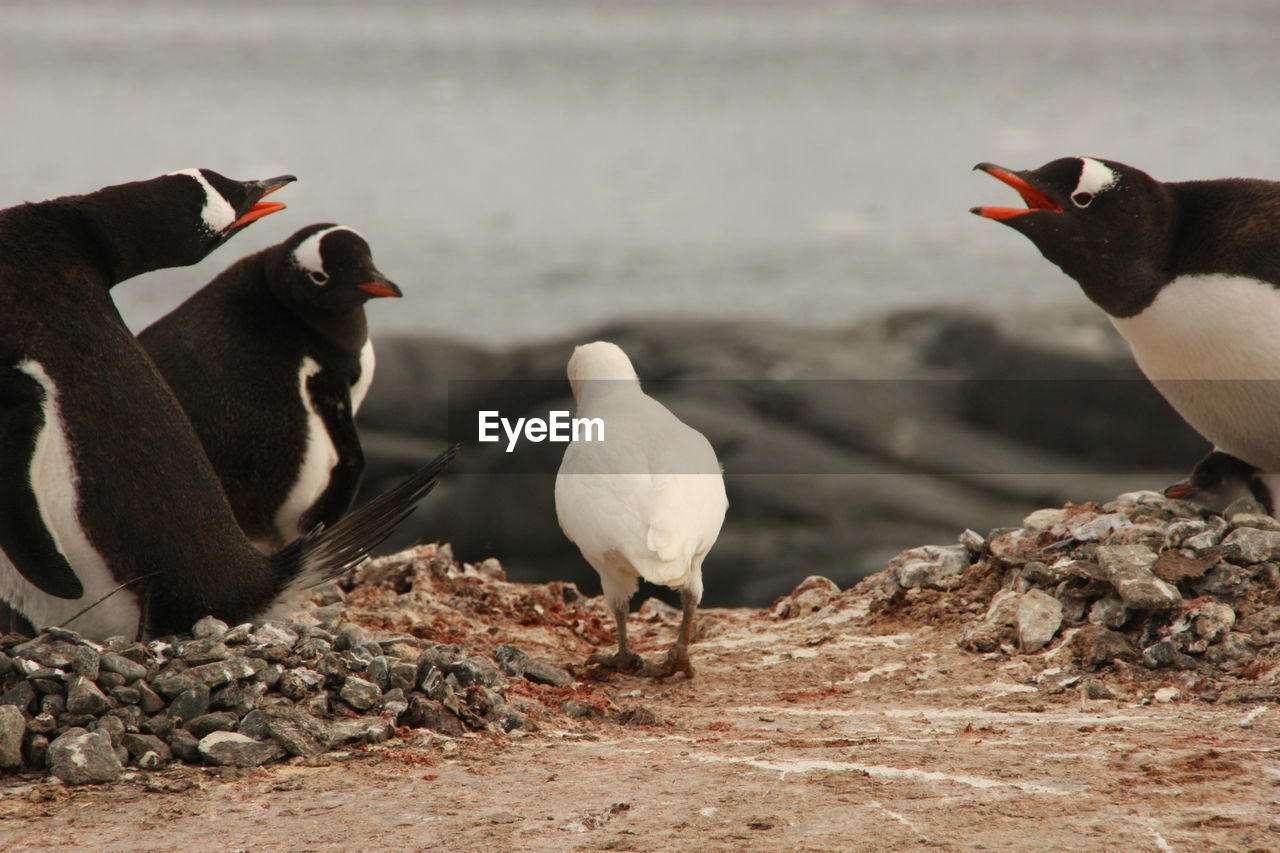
(646, 501)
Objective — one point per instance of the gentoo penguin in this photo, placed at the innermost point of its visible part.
(646, 501)
(1220, 479)
(112, 520)
(1189, 274)
(271, 361)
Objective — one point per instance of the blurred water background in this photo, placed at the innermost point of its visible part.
(529, 169)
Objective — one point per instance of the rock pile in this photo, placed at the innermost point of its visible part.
(249, 694)
(1140, 583)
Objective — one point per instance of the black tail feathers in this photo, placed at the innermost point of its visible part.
(326, 553)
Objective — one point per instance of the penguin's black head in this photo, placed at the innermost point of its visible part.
(328, 268)
(1219, 479)
(176, 219)
(1107, 225)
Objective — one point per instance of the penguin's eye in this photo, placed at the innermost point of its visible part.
(1082, 199)
(319, 277)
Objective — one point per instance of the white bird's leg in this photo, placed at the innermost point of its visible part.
(678, 657)
(625, 660)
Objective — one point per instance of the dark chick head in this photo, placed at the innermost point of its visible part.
(1219, 479)
(176, 219)
(1107, 225)
(328, 268)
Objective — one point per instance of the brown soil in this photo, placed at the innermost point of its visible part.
(843, 729)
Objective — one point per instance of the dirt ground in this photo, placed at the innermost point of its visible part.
(839, 730)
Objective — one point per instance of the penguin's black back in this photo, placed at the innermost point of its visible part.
(233, 354)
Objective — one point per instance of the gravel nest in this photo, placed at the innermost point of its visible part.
(266, 691)
(1116, 598)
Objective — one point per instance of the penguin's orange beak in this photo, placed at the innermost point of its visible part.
(264, 208)
(380, 287)
(1035, 199)
(1178, 491)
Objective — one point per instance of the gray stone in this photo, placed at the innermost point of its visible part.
(510, 659)
(210, 628)
(84, 697)
(221, 672)
(80, 757)
(1099, 528)
(172, 682)
(1246, 545)
(256, 724)
(1098, 646)
(184, 744)
(21, 695)
(1227, 581)
(360, 694)
(299, 732)
(112, 662)
(139, 745)
(270, 675)
(275, 633)
(1165, 653)
(293, 685)
(1039, 618)
(1128, 569)
(36, 751)
(1202, 624)
(403, 675)
(239, 635)
(148, 700)
(544, 673)
(932, 566)
(126, 695)
(215, 721)
(379, 672)
(87, 662)
(361, 730)
(13, 727)
(48, 652)
(477, 669)
(237, 750)
(1202, 544)
(189, 704)
(41, 724)
(199, 652)
(150, 761)
(113, 726)
(1109, 611)
(394, 702)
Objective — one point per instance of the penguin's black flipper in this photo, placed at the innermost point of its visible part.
(24, 535)
(330, 393)
(326, 553)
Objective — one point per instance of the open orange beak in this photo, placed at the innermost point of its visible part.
(1035, 199)
(264, 208)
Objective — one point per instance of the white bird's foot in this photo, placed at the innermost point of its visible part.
(677, 660)
(618, 662)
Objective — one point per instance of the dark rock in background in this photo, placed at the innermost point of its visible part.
(840, 447)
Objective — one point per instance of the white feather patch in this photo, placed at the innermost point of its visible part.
(218, 214)
(308, 256)
(1095, 177)
(318, 461)
(361, 386)
(1211, 345)
(56, 485)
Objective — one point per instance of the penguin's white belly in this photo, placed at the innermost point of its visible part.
(55, 482)
(1211, 345)
(319, 458)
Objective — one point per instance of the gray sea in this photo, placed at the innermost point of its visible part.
(531, 168)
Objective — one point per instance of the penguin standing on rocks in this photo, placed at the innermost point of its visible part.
(271, 361)
(112, 520)
(1187, 272)
(647, 500)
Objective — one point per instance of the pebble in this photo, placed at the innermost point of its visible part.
(13, 727)
(80, 757)
(931, 566)
(1128, 569)
(360, 694)
(1039, 617)
(1165, 694)
(233, 748)
(1246, 545)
